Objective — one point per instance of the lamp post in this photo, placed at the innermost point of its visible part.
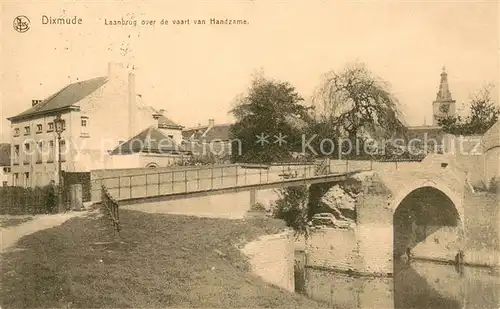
(59, 127)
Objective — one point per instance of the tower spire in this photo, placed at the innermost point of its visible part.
(444, 94)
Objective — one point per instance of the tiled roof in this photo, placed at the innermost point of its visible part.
(4, 154)
(207, 133)
(150, 140)
(66, 97)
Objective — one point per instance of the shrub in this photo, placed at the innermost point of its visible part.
(292, 207)
(258, 207)
(24, 201)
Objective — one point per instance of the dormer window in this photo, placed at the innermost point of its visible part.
(50, 127)
(27, 130)
(39, 128)
(16, 132)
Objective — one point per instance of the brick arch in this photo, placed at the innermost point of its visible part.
(455, 197)
(152, 165)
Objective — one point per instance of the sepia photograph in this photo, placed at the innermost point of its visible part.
(250, 154)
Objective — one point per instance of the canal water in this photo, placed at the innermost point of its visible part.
(418, 284)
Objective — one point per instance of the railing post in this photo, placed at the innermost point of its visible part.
(237, 171)
(158, 184)
(185, 181)
(198, 179)
(130, 186)
(146, 194)
(267, 177)
(260, 175)
(347, 166)
(222, 176)
(212, 178)
(245, 175)
(173, 182)
(119, 186)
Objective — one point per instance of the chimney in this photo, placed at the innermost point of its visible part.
(115, 70)
(211, 122)
(132, 105)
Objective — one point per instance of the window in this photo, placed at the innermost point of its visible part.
(16, 132)
(15, 179)
(27, 130)
(63, 150)
(5, 183)
(39, 152)
(38, 128)
(51, 127)
(27, 154)
(84, 128)
(26, 179)
(16, 155)
(51, 152)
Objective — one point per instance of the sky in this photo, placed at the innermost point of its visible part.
(194, 72)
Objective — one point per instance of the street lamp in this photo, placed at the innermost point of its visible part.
(59, 127)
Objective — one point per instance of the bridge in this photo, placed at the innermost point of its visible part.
(408, 205)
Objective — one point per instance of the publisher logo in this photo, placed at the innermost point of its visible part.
(21, 23)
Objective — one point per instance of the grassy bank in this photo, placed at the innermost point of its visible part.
(164, 260)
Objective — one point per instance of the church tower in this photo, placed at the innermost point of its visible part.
(444, 105)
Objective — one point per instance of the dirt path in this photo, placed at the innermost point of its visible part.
(10, 235)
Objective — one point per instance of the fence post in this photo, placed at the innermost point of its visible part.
(119, 187)
(237, 171)
(146, 193)
(222, 175)
(260, 175)
(185, 181)
(245, 175)
(267, 177)
(347, 166)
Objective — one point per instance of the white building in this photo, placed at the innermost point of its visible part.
(98, 115)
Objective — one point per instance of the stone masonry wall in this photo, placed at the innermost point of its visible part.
(272, 259)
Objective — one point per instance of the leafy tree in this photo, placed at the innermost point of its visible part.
(483, 114)
(355, 101)
(270, 109)
(293, 208)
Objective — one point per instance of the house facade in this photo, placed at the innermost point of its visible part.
(97, 115)
(155, 146)
(208, 143)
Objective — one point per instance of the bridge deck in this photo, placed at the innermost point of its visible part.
(207, 181)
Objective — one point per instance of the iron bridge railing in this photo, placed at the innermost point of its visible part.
(211, 178)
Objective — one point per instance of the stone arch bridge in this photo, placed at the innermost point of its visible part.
(419, 206)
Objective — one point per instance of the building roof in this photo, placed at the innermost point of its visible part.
(208, 133)
(64, 98)
(150, 140)
(4, 154)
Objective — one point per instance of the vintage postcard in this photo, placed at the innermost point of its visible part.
(250, 154)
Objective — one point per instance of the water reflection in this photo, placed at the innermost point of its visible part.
(415, 285)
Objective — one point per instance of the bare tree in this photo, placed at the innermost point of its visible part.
(356, 100)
